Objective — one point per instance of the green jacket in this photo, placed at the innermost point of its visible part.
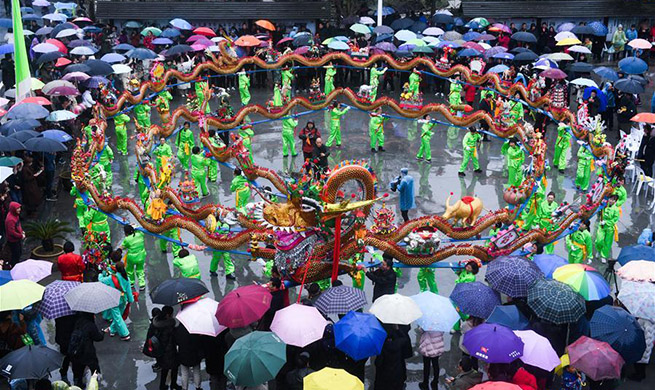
(142, 111)
(375, 76)
(579, 245)
(426, 130)
(584, 157)
(622, 194)
(121, 121)
(106, 156)
(185, 137)
(515, 155)
(336, 114)
(163, 151)
(238, 183)
(289, 125)
(134, 243)
(610, 216)
(188, 266)
(287, 77)
(199, 164)
(470, 141)
(563, 137)
(545, 213)
(376, 123)
(464, 276)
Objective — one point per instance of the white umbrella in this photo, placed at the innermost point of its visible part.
(59, 17)
(121, 69)
(5, 172)
(83, 51)
(433, 31)
(431, 40)
(579, 49)
(45, 48)
(537, 350)
(585, 82)
(66, 33)
(92, 297)
(366, 20)
(439, 314)
(200, 318)
(34, 270)
(218, 39)
(405, 35)
(299, 325)
(559, 57)
(396, 309)
(60, 115)
(565, 35)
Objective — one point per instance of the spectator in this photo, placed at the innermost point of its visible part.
(11, 334)
(320, 155)
(383, 278)
(63, 330)
(14, 232)
(431, 346)
(81, 349)
(188, 356)
(163, 327)
(295, 377)
(404, 184)
(70, 264)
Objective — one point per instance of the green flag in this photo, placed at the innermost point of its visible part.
(23, 77)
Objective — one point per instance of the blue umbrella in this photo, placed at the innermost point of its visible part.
(359, 335)
(442, 19)
(498, 68)
(44, 145)
(439, 315)
(92, 30)
(7, 48)
(629, 86)
(338, 45)
(31, 17)
(453, 45)
(526, 56)
(523, 36)
(132, 24)
(401, 24)
(633, 65)
(386, 11)
(504, 56)
(6, 23)
(598, 29)
(469, 53)
(98, 68)
(5, 277)
(493, 343)
(178, 49)
(509, 316)
(11, 127)
(124, 46)
(141, 54)
(606, 73)
(512, 275)
(475, 299)
(601, 97)
(27, 111)
(546, 63)
(636, 252)
(112, 58)
(471, 36)
(581, 67)
(620, 329)
(95, 81)
(181, 24)
(170, 33)
(10, 144)
(549, 263)
(57, 135)
(382, 29)
(162, 41)
(458, 22)
(27, 10)
(45, 30)
(24, 135)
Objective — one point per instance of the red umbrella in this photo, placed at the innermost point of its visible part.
(38, 100)
(284, 40)
(247, 41)
(206, 31)
(595, 358)
(473, 45)
(645, 117)
(553, 73)
(60, 46)
(243, 306)
(62, 62)
(496, 386)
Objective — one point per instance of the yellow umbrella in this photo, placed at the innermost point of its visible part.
(564, 361)
(331, 379)
(36, 84)
(568, 42)
(18, 294)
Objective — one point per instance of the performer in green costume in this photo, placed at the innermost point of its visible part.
(134, 250)
(162, 150)
(199, 164)
(244, 87)
(607, 232)
(217, 256)
(97, 221)
(375, 81)
(579, 245)
(187, 264)
(105, 159)
(562, 145)
(185, 143)
(414, 82)
(335, 123)
(212, 172)
(545, 218)
(425, 151)
(287, 80)
(515, 158)
(330, 72)
(80, 207)
(142, 114)
(470, 150)
(288, 129)
(241, 187)
(585, 166)
(120, 124)
(426, 280)
(375, 130)
(246, 134)
(202, 87)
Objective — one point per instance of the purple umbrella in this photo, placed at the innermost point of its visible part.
(95, 81)
(33, 270)
(162, 41)
(79, 42)
(504, 56)
(386, 46)
(495, 50)
(475, 299)
(493, 343)
(113, 58)
(53, 305)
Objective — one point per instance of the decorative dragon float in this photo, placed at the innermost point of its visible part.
(322, 222)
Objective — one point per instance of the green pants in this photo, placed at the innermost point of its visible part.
(604, 241)
(115, 315)
(121, 140)
(288, 144)
(424, 151)
(163, 244)
(80, 210)
(244, 93)
(227, 262)
(200, 178)
(136, 261)
(377, 139)
(515, 176)
(109, 178)
(582, 177)
(183, 157)
(143, 191)
(335, 136)
(212, 171)
(427, 280)
(469, 155)
(144, 123)
(560, 157)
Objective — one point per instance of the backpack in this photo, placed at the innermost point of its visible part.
(76, 344)
(153, 346)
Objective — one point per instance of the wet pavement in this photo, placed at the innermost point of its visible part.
(125, 367)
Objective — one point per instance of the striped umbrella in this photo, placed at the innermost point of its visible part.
(555, 302)
(583, 279)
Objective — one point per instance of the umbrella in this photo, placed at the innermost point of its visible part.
(581, 67)
(141, 53)
(439, 315)
(45, 48)
(83, 51)
(60, 88)
(33, 270)
(248, 41)
(243, 306)
(469, 53)
(338, 45)
(18, 294)
(640, 44)
(5, 172)
(637, 297)
(265, 24)
(549, 263)
(475, 299)
(443, 19)
(48, 57)
(55, 17)
(330, 378)
(509, 316)
(7, 48)
(133, 24)
(95, 81)
(598, 29)
(359, 335)
(178, 49)
(10, 161)
(559, 57)
(57, 135)
(582, 30)
(162, 41)
(405, 35)
(92, 29)
(360, 28)
(5, 276)
(340, 300)
(606, 73)
(382, 29)
(584, 279)
(123, 46)
(174, 291)
(620, 330)
(77, 43)
(498, 69)
(53, 305)
(595, 358)
(403, 23)
(200, 318)
(555, 301)
(629, 86)
(299, 325)
(154, 30)
(75, 68)
(16, 125)
(579, 49)
(302, 40)
(76, 76)
(10, 144)
(493, 343)
(69, 32)
(496, 385)
(60, 116)
(112, 58)
(395, 309)
(121, 69)
(638, 271)
(644, 117)
(471, 36)
(565, 35)
(432, 31)
(170, 33)
(206, 31)
(92, 297)
(504, 56)
(181, 24)
(633, 252)
(386, 46)
(418, 27)
(633, 65)
(45, 30)
(30, 362)
(568, 42)
(526, 56)
(523, 36)
(537, 351)
(255, 358)
(451, 36)
(512, 275)
(27, 111)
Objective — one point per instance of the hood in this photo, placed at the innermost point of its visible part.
(13, 207)
(163, 323)
(525, 380)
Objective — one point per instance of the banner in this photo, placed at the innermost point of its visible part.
(23, 77)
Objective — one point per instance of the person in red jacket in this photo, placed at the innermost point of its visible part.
(524, 380)
(71, 264)
(14, 232)
(469, 94)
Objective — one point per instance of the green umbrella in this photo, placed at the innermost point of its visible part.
(154, 30)
(360, 28)
(18, 294)
(417, 42)
(10, 161)
(255, 358)
(327, 41)
(482, 22)
(422, 49)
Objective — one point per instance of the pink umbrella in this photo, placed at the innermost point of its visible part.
(473, 45)
(496, 386)
(76, 76)
(284, 40)
(194, 38)
(640, 43)
(243, 306)
(200, 318)
(595, 358)
(500, 27)
(299, 325)
(33, 270)
(198, 47)
(301, 50)
(553, 73)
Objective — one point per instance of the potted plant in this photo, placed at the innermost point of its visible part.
(46, 232)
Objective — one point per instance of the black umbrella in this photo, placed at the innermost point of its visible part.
(30, 362)
(177, 50)
(443, 18)
(523, 36)
(629, 86)
(15, 125)
(519, 49)
(44, 145)
(418, 27)
(401, 24)
(77, 68)
(98, 68)
(639, 79)
(174, 291)
(10, 144)
(581, 67)
(48, 57)
(302, 40)
(24, 135)
(525, 56)
(583, 30)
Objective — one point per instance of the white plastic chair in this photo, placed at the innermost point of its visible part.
(643, 179)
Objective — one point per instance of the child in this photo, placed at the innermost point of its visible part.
(571, 379)
(467, 274)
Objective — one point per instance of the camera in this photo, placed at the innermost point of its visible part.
(393, 186)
